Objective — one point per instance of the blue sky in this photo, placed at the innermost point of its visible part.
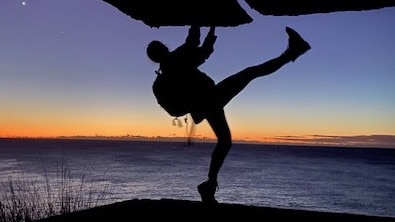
(71, 67)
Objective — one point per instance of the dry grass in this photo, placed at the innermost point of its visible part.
(26, 199)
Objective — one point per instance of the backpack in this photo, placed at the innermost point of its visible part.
(183, 94)
(169, 95)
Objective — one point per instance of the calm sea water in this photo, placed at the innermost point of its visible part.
(350, 180)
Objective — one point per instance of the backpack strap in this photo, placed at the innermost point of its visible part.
(177, 122)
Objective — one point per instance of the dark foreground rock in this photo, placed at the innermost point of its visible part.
(185, 210)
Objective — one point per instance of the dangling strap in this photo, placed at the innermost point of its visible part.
(189, 131)
(177, 122)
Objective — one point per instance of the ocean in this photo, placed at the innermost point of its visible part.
(329, 179)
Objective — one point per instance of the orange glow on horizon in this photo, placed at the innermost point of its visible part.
(378, 141)
(121, 126)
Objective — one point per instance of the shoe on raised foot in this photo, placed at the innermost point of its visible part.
(207, 192)
(297, 46)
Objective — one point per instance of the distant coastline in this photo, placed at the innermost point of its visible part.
(348, 141)
(198, 140)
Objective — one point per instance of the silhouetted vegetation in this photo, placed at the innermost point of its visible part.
(23, 198)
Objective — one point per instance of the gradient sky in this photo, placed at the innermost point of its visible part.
(78, 67)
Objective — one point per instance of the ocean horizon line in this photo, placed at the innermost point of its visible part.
(192, 140)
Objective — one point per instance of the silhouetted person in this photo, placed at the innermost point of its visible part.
(181, 88)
